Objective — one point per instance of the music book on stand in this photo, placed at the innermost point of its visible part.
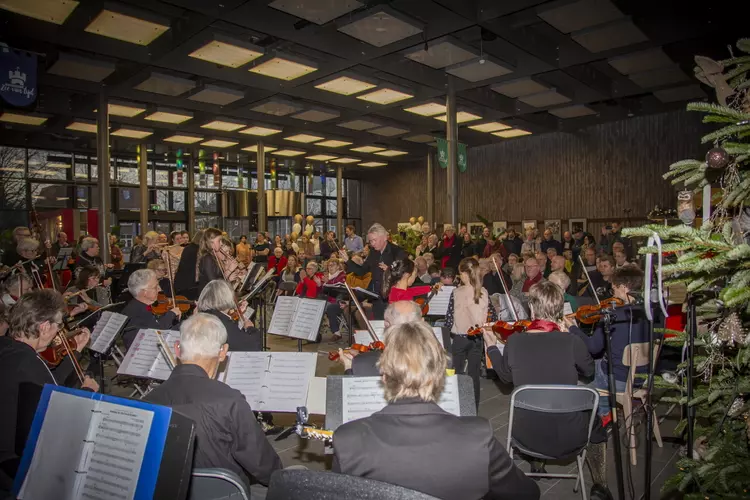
(144, 359)
(297, 317)
(439, 302)
(63, 257)
(105, 331)
(339, 290)
(86, 445)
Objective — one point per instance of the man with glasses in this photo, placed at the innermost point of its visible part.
(533, 273)
(143, 285)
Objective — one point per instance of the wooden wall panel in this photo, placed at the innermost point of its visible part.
(595, 173)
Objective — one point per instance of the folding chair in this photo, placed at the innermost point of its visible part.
(556, 399)
(217, 484)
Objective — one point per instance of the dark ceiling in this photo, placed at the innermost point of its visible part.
(539, 66)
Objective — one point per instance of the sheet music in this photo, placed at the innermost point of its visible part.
(379, 326)
(438, 331)
(98, 456)
(105, 331)
(307, 319)
(62, 259)
(363, 396)
(283, 313)
(271, 381)
(439, 302)
(316, 396)
(567, 309)
(144, 359)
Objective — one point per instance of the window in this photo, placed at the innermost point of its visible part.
(49, 164)
(50, 195)
(206, 221)
(162, 199)
(178, 201)
(314, 207)
(162, 175)
(82, 197)
(128, 175)
(316, 188)
(331, 186)
(205, 202)
(236, 228)
(331, 207)
(12, 181)
(81, 172)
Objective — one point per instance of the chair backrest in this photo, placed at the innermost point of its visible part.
(313, 485)
(636, 355)
(217, 484)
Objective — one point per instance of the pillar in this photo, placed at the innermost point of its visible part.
(102, 160)
(451, 134)
(430, 191)
(143, 187)
(261, 163)
(340, 202)
(190, 201)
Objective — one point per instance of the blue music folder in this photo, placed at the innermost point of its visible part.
(88, 445)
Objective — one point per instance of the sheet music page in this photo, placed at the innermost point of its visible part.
(316, 396)
(438, 334)
(105, 331)
(160, 370)
(140, 357)
(287, 380)
(283, 313)
(362, 337)
(307, 318)
(379, 326)
(366, 293)
(245, 372)
(567, 309)
(449, 398)
(439, 302)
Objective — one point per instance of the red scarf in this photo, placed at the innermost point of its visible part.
(531, 282)
(447, 243)
(543, 325)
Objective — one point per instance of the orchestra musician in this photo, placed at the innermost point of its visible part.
(217, 299)
(228, 435)
(148, 250)
(33, 263)
(34, 321)
(89, 256)
(335, 275)
(186, 275)
(144, 287)
(10, 255)
(208, 267)
(86, 283)
(399, 278)
(414, 443)
(14, 286)
(115, 253)
(159, 267)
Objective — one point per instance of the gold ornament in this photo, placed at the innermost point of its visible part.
(730, 330)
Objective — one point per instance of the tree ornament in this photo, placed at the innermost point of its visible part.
(736, 407)
(717, 158)
(730, 329)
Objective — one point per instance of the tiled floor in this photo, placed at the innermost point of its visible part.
(494, 404)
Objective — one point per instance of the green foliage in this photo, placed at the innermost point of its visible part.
(409, 242)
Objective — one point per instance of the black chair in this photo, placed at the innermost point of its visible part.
(217, 484)
(312, 485)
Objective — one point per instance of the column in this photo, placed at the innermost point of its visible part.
(430, 191)
(143, 180)
(190, 200)
(340, 202)
(262, 222)
(102, 160)
(451, 134)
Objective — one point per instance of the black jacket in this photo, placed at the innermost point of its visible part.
(453, 253)
(208, 270)
(141, 318)
(184, 277)
(389, 254)
(238, 339)
(228, 436)
(418, 445)
(365, 365)
(513, 245)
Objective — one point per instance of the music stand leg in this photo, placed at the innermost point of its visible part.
(612, 389)
(351, 324)
(299, 345)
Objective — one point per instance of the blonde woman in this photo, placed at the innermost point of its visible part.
(414, 443)
(148, 250)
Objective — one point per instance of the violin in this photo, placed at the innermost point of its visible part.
(591, 314)
(56, 352)
(424, 303)
(501, 329)
(164, 304)
(354, 349)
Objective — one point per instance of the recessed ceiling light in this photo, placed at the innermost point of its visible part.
(126, 28)
(381, 26)
(219, 143)
(420, 138)
(304, 138)
(489, 127)
(367, 149)
(429, 109)
(317, 11)
(317, 115)
(391, 152)
(260, 131)
(254, 148)
(385, 96)
(132, 133)
(514, 132)
(321, 157)
(479, 69)
(333, 143)
(125, 109)
(52, 11)
(22, 119)
(224, 124)
(345, 85)
(213, 94)
(160, 83)
(227, 52)
(169, 116)
(288, 152)
(83, 126)
(372, 164)
(359, 124)
(441, 53)
(283, 68)
(184, 139)
(388, 131)
(277, 107)
(461, 117)
(346, 160)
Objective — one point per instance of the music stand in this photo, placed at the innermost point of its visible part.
(340, 293)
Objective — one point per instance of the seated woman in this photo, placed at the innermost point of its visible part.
(217, 299)
(83, 289)
(414, 443)
(334, 308)
(290, 273)
(277, 260)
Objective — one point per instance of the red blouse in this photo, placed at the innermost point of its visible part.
(397, 294)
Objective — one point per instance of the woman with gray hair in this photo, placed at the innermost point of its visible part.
(89, 256)
(414, 443)
(217, 299)
(146, 251)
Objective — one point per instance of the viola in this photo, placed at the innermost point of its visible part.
(501, 329)
(424, 303)
(56, 352)
(591, 314)
(164, 304)
(354, 349)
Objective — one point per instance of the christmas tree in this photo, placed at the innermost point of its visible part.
(714, 262)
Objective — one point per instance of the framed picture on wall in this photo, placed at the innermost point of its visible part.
(499, 227)
(554, 225)
(526, 225)
(475, 229)
(575, 225)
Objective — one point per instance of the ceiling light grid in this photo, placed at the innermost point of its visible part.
(461, 117)
(132, 29)
(184, 138)
(428, 109)
(304, 138)
(391, 153)
(78, 125)
(169, 115)
(514, 132)
(321, 157)
(288, 152)
(372, 164)
(33, 119)
(489, 127)
(224, 124)
(51, 11)
(227, 51)
(333, 143)
(121, 108)
(284, 67)
(346, 160)
(367, 149)
(386, 95)
(260, 131)
(381, 26)
(132, 132)
(219, 143)
(346, 85)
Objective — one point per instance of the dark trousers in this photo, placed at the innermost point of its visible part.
(464, 348)
(333, 311)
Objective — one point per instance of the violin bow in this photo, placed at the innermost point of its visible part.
(234, 297)
(62, 334)
(505, 288)
(169, 273)
(588, 278)
(353, 296)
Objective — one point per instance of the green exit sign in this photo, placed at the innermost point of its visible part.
(155, 208)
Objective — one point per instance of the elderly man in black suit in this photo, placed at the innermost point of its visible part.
(414, 443)
(143, 285)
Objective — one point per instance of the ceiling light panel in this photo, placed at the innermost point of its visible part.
(517, 88)
(429, 109)
(317, 115)
(367, 149)
(51, 11)
(478, 70)
(420, 138)
(610, 36)
(288, 152)
(260, 131)
(359, 124)
(388, 131)
(380, 27)
(277, 107)
(345, 85)
(461, 117)
(220, 96)
(87, 126)
(321, 157)
(334, 143)
(372, 164)
(572, 111)
(677, 94)
(304, 138)
(659, 77)
(544, 99)
(219, 143)
(317, 11)
(23, 118)
(254, 148)
(489, 127)
(644, 60)
(283, 68)
(82, 68)
(385, 96)
(346, 160)
(391, 152)
(132, 133)
(514, 132)
(125, 109)
(184, 139)
(227, 52)
(126, 28)
(159, 83)
(224, 125)
(581, 14)
(167, 115)
(441, 53)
